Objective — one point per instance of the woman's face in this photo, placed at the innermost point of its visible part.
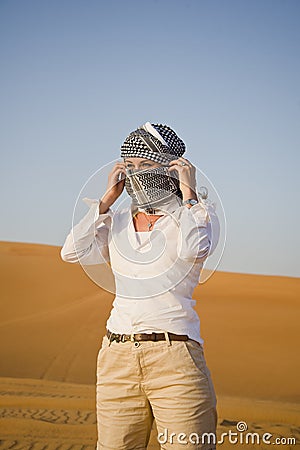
(140, 164)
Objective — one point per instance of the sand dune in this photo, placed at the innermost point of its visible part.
(51, 326)
(42, 414)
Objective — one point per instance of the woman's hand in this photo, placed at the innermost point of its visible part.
(187, 177)
(115, 186)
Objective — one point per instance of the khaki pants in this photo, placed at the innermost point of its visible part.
(137, 382)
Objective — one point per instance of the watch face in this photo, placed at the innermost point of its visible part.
(193, 201)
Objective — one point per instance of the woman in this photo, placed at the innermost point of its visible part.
(151, 363)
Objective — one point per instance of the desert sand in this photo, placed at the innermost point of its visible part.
(51, 326)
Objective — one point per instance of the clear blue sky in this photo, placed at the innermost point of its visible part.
(78, 76)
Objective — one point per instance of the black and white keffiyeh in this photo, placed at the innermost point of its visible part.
(153, 141)
(154, 188)
(149, 187)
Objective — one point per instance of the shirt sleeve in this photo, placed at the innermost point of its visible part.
(87, 241)
(199, 231)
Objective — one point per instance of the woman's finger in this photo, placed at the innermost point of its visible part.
(179, 167)
(116, 170)
(118, 165)
(180, 162)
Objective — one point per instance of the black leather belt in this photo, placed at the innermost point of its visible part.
(146, 337)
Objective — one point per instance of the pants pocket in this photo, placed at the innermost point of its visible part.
(196, 357)
(195, 354)
(104, 346)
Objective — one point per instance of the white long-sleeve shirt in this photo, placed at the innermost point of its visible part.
(155, 272)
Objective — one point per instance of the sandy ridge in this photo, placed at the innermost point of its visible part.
(51, 326)
(40, 414)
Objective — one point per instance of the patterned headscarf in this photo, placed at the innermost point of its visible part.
(153, 141)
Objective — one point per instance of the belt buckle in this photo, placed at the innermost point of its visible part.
(116, 337)
(123, 338)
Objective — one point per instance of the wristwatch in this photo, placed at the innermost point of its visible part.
(190, 201)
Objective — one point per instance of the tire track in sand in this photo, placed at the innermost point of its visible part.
(42, 445)
(56, 416)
